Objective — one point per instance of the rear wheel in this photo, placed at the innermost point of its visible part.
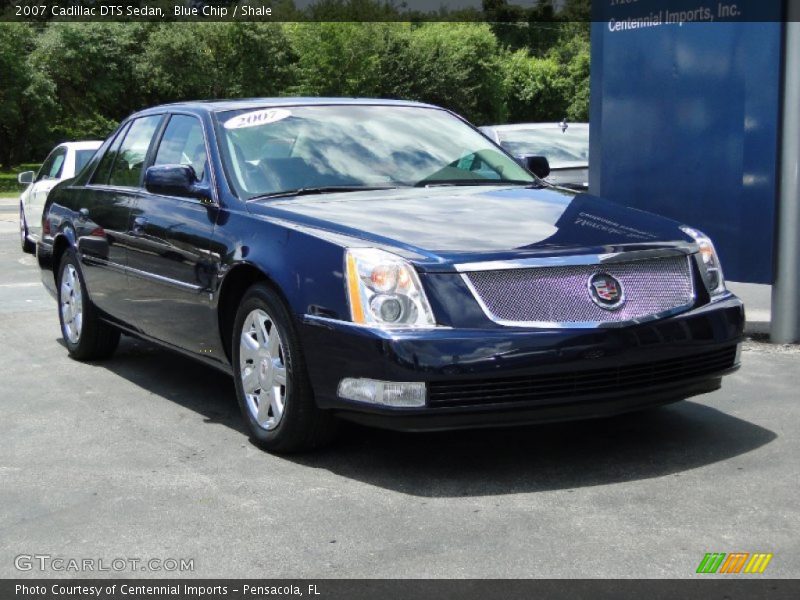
(27, 245)
(86, 336)
(272, 385)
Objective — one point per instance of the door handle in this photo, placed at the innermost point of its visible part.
(139, 223)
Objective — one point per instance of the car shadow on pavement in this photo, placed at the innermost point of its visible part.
(654, 443)
(176, 378)
(643, 445)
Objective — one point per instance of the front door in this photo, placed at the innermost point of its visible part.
(171, 264)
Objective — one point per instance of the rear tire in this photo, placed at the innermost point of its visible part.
(272, 384)
(27, 246)
(86, 336)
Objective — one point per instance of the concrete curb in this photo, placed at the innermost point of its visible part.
(757, 300)
(756, 327)
(758, 322)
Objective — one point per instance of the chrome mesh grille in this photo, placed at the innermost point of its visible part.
(561, 295)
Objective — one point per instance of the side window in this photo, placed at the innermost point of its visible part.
(128, 164)
(81, 158)
(51, 169)
(103, 170)
(58, 165)
(46, 166)
(183, 144)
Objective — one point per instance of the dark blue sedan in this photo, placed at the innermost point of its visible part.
(382, 262)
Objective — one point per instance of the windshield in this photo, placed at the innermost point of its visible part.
(558, 147)
(274, 150)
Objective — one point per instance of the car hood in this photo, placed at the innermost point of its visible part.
(463, 224)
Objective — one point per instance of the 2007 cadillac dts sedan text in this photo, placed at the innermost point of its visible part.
(381, 261)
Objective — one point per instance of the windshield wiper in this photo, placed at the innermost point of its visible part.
(325, 189)
(455, 182)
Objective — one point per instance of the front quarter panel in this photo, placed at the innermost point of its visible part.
(307, 269)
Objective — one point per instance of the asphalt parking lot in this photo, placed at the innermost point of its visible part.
(144, 456)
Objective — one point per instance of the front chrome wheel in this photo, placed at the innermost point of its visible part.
(262, 369)
(71, 302)
(272, 385)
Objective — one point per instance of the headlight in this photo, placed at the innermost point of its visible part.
(384, 291)
(712, 269)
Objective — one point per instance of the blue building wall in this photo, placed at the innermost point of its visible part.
(685, 123)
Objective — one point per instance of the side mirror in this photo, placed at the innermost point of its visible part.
(538, 165)
(26, 177)
(175, 180)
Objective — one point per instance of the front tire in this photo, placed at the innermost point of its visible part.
(272, 384)
(27, 246)
(86, 336)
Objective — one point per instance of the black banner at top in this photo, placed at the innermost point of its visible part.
(511, 11)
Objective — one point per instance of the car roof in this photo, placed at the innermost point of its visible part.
(82, 145)
(254, 103)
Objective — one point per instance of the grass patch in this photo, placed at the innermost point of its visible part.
(8, 179)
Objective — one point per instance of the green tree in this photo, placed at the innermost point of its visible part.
(576, 11)
(194, 61)
(77, 80)
(26, 96)
(457, 66)
(579, 85)
(573, 53)
(92, 67)
(454, 65)
(338, 59)
(534, 88)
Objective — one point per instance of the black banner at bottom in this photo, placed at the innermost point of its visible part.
(398, 589)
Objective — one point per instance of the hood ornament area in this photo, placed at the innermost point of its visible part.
(606, 291)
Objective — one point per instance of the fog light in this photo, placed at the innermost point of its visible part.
(385, 393)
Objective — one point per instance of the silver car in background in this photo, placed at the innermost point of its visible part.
(64, 162)
(564, 145)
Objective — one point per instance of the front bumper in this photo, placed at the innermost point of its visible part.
(646, 365)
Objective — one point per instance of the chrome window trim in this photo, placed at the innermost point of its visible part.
(578, 259)
(581, 324)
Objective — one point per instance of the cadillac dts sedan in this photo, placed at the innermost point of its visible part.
(378, 261)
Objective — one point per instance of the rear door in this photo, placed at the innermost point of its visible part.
(104, 222)
(172, 266)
